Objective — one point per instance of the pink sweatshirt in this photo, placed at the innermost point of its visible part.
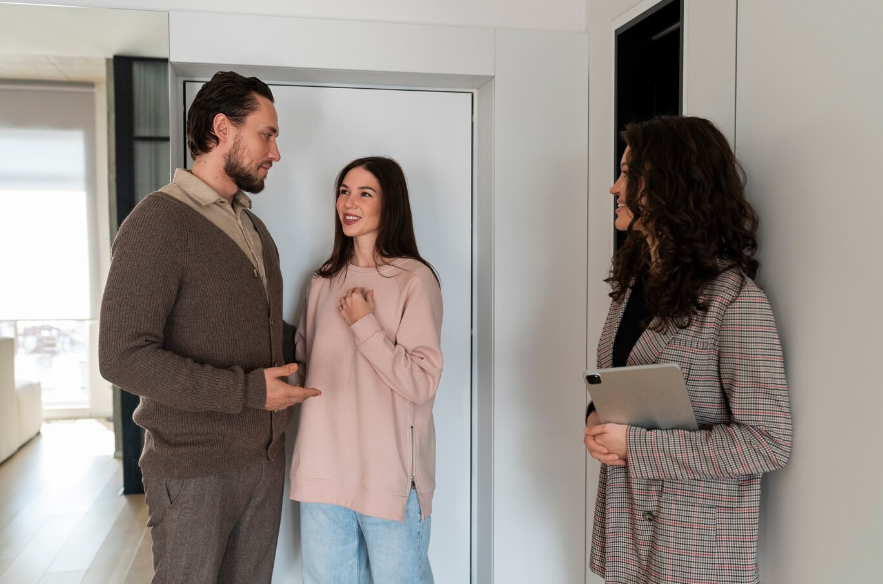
(360, 443)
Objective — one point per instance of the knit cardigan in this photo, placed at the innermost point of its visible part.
(186, 325)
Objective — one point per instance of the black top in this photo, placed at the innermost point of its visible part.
(635, 317)
(634, 320)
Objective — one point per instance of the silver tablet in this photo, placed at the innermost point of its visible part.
(647, 396)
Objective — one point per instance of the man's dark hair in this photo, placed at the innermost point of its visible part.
(227, 93)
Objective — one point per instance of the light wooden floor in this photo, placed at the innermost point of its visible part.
(62, 520)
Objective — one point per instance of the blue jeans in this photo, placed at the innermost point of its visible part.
(341, 546)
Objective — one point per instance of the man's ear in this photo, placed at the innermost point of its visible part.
(221, 127)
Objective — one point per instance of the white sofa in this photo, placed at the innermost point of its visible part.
(21, 406)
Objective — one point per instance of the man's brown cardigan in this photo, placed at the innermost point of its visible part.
(185, 324)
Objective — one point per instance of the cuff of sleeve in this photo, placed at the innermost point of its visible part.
(255, 389)
(365, 328)
(634, 436)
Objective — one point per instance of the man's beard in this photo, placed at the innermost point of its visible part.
(247, 180)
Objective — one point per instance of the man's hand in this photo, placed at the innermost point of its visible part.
(606, 442)
(356, 304)
(281, 395)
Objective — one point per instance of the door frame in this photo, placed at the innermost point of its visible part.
(482, 103)
(184, 160)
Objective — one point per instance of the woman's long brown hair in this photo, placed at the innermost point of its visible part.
(687, 188)
(395, 236)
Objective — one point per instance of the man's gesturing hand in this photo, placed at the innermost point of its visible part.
(280, 394)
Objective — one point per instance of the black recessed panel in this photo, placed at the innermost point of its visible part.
(649, 59)
(141, 136)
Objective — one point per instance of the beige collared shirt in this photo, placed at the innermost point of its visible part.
(230, 219)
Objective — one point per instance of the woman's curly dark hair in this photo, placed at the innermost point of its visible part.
(687, 188)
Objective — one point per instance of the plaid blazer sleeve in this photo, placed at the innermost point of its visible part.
(756, 437)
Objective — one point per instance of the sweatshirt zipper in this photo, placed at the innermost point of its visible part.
(413, 449)
(413, 471)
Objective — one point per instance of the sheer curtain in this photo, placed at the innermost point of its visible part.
(49, 292)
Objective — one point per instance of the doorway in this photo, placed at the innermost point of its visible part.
(430, 134)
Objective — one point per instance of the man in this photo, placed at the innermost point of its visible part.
(191, 321)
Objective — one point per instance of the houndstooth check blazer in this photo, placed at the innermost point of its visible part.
(685, 507)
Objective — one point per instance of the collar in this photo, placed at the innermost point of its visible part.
(204, 194)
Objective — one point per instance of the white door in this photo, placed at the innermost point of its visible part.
(430, 135)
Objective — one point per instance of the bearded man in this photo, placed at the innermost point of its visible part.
(191, 321)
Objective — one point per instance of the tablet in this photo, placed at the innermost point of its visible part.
(647, 396)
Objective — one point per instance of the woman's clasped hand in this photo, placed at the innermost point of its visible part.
(606, 442)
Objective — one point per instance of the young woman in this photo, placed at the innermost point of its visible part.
(676, 505)
(364, 460)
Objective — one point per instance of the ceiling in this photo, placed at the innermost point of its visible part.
(71, 44)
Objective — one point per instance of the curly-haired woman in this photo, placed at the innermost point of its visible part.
(676, 505)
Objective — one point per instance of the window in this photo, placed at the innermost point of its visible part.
(49, 265)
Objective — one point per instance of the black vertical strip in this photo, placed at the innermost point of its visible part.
(186, 147)
(648, 74)
(736, 80)
(132, 445)
(473, 400)
(681, 33)
(616, 108)
(124, 128)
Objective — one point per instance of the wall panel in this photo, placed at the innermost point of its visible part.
(809, 131)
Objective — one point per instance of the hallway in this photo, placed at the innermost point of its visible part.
(62, 520)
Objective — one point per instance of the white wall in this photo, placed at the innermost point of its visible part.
(710, 62)
(57, 31)
(100, 392)
(541, 116)
(809, 130)
(599, 26)
(552, 15)
(332, 44)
